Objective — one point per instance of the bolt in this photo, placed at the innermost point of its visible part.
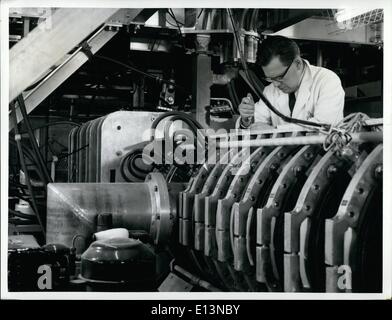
(316, 187)
(284, 186)
(156, 188)
(252, 198)
(351, 214)
(298, 170)
(378, 171)
(307, 207)
(332, 170)
(276, 204)
(308, 155)
(259, 181)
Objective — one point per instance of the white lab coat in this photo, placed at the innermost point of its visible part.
(320, 98)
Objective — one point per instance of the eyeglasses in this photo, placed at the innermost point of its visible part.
(279, 78)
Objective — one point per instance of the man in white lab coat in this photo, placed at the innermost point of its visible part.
(298, 89)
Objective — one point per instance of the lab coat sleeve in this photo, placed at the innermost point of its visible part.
(330, 102)
(262, 113)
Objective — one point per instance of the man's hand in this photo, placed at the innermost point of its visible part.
(247, 109)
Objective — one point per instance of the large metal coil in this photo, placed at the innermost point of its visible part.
(292, 218)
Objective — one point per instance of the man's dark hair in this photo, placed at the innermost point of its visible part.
(285, 48)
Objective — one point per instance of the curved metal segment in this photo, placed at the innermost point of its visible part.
(318, 187)
(199, 202)
(187, 205)
(338, 242)
(211, 203)
(234, 193)
(255, 194)
(270, 217)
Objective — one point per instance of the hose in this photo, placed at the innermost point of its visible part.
(192, 123)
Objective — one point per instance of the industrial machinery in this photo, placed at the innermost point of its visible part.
(154, 194)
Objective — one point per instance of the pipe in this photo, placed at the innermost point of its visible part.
(196, 280)
(72, 208)
(358, 137)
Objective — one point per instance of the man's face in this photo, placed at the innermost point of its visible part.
(286, 78)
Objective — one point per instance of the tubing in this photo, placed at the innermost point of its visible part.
(359, 137)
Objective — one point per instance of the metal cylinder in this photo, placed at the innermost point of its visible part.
(73, 209)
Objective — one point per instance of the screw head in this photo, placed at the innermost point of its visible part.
(332, 169)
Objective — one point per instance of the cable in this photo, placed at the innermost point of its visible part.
(50, 124)
(29, 154)
(260, 94)
(23, 164)
(129, 162)
(40, 159)
(186, 118)
(171, 13)
(139, 71)
(21, 215)
(201, 11)
(192, 123)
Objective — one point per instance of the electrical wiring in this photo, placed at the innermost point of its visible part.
(23, 164)
(16, 221)
(201, 11)
(192, 123)
(148, 75)
(50, 124)
(259, 94)
(21, 215)
(40, 162)
(171, 13)
(30, 155)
